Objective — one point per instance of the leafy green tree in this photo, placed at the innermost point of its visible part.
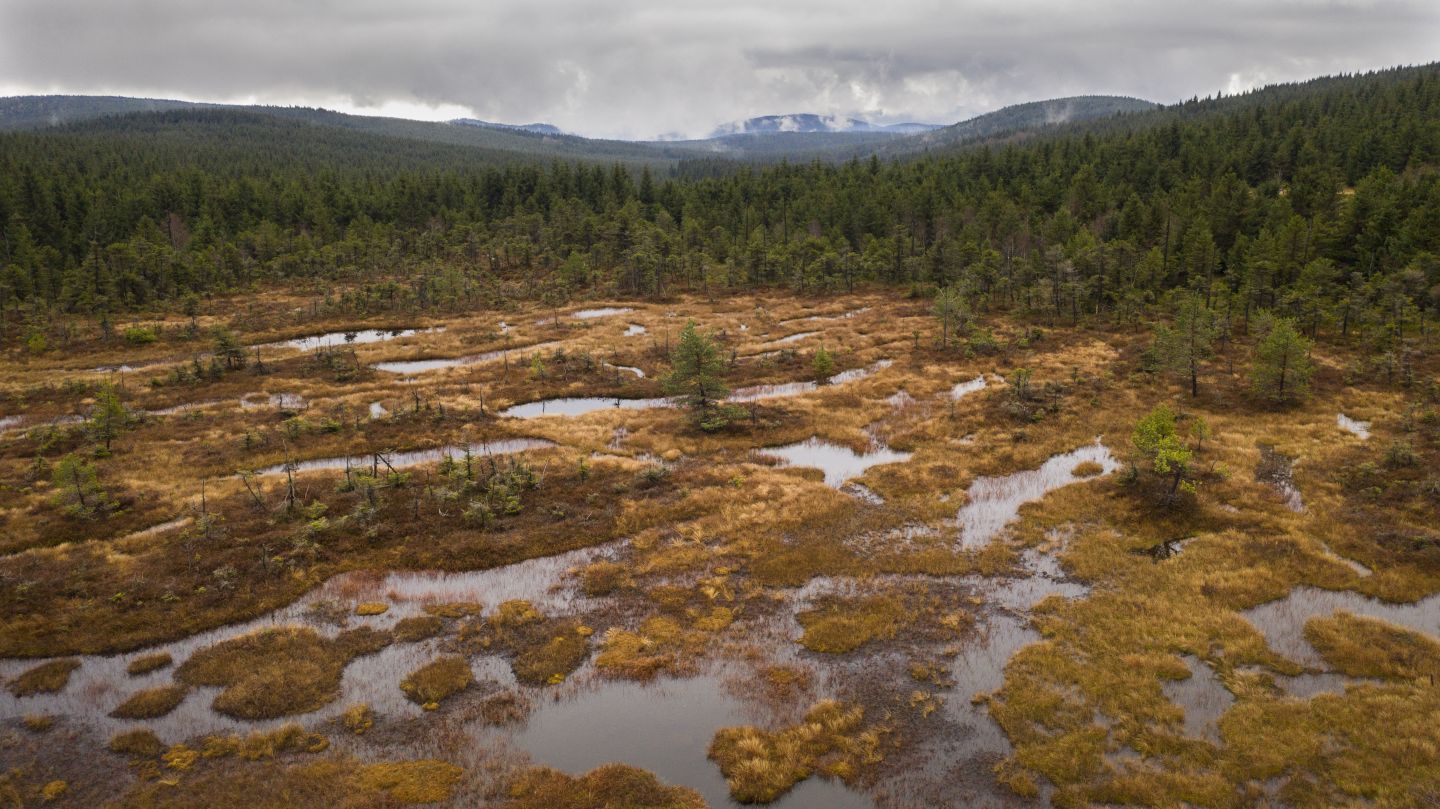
(952, 312)
(695, 372)
(1183, 346)
(1164, 452)
(109, 417)
(77, 488)
(1282, 367)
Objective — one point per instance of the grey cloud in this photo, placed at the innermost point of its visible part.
(631, 68)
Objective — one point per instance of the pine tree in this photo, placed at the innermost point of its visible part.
(696, 368)
(77, 487)
(1282, 368)
(1185, 345)
(109, 417)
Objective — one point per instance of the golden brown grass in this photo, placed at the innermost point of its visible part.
(543, 650)
(609, 787)
(369, 608)
(148, 663)
(38, 723)
(1367, 647)
(142, 743)
(288, 738)
(278, 672)
(358, 718)
(46, 678)
(436, 680)
(151, 703)
(423, 781)
(838, 625)
(761, 765)
(417, 628)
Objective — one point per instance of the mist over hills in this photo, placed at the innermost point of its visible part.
(812, 123)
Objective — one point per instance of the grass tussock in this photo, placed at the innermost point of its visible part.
(145, 664)
(417, 628)
(607, 787)
(760, 766)
(423, 781)
(46, 678)
(358, 718)
(1358, 646)
(839, 625)
(232, 784)
(661, 645)
(288, 738)
(543, 650)
(370, 608)
(278, 672)
(142, 743)
(436, 680)
(151, 703)
(38, 723)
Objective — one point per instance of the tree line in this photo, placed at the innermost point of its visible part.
(1320, 204)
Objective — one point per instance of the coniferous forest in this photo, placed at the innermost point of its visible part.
(1317, 200)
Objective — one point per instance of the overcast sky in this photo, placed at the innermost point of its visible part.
(627, 68)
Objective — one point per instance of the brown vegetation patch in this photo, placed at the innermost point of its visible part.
(543, 650)
(148, 663)
(46, 678)
(417, 628)
(607, 787)
(760, 765)
(278, 672)
(151, 703)
(436, 680)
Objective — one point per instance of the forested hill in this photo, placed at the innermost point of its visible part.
(1319, 200)
(495, 143)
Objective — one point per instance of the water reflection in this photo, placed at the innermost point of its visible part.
(995, 501)
(838, 462)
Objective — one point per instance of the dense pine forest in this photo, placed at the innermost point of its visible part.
(1319, 201)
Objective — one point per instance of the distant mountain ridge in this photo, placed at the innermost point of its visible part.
(537, 128)
(809, 123)
(763, 139)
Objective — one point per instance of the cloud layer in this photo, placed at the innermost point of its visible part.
(625, 68)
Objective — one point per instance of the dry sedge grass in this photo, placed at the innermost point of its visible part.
(424, 781)
(1368, 647)
(46, 678)
(151, 703)
(278, 672)
(839, 625)
(760, 765)
(609, 787)
(231, 784)
(543, 650)
(358, 719)
(148, 663)
(142, 743)
(417, 628)
(436, 680)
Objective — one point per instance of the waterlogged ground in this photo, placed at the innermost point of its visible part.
(493, 543)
